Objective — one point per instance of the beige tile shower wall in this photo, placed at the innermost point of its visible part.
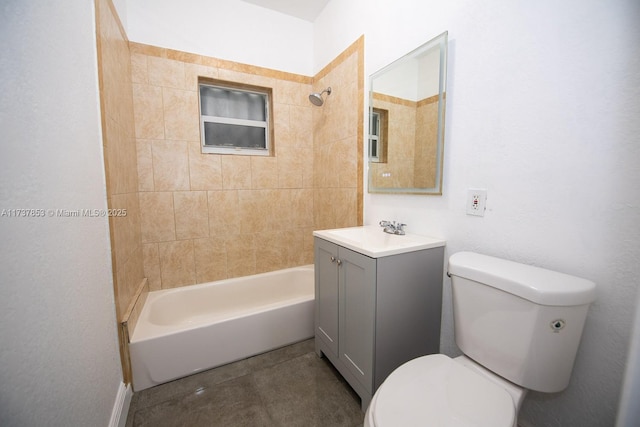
(207, 217)
(120, 157)
(337, 141)
(119, 154)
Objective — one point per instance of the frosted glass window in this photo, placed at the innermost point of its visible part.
(227, 135)
(234, 121)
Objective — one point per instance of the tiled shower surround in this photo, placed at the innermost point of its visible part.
(207, 217)
(193, 217)
(118, 134)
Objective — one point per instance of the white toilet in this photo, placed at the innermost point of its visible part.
(519, 328)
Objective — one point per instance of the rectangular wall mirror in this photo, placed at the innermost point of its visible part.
(406, 122)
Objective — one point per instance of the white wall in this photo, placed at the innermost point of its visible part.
(59, 361)
(542, 112)
(226, 29)
(121, 9)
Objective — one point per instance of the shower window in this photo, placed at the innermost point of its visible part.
(235, 119)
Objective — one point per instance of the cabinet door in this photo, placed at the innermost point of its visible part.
(357, 313)
(326, 282)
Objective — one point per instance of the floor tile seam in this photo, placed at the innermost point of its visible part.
(279, 363)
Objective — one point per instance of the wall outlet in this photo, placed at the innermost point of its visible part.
(476, 201)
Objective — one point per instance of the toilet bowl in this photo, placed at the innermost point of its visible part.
(519, 328)
(436, 390)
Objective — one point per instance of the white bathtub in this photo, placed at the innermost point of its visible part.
(185, 330)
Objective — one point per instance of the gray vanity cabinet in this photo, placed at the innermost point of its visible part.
(326, 284)
(344, 301)
(374, 314)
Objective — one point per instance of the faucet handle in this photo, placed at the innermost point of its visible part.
(399, 229)
(384, 223)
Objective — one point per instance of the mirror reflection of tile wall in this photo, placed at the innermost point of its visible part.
(412, 90)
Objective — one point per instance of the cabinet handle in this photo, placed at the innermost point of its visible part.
(339, 262)
(333, 259)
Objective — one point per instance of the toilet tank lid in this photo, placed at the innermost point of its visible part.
(535, 284)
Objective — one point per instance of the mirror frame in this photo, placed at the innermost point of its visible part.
(440, 41)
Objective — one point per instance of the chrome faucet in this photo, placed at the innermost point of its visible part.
(392, 227)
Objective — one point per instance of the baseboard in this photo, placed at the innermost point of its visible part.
(121, 406)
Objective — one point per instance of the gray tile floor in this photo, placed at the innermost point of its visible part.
(290, 386)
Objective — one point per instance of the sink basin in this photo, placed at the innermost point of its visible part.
(372, 241)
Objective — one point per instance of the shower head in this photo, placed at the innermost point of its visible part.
(316, 98)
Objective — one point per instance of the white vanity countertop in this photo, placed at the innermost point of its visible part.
(371, 241)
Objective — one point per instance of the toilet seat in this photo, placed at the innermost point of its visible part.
(435, 390)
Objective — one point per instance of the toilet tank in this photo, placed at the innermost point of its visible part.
(522, 322)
